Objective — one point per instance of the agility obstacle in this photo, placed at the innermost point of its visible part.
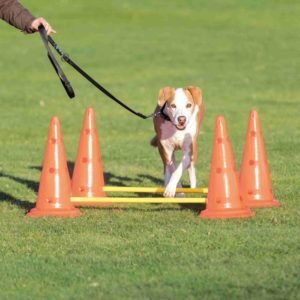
(227, 197)
(144, 190)
(152, 190)
(137, 200)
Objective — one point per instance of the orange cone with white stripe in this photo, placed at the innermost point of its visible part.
(223, 199)
(88, 179)
(255, 181)
(55, 186)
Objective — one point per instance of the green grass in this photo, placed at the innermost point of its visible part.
(243, 54)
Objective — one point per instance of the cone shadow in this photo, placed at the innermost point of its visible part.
(24, 204)
(30, 184)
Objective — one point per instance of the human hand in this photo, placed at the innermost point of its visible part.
(41, 21)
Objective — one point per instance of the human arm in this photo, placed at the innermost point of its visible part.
(18, 16)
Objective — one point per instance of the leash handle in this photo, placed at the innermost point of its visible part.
(63, 78)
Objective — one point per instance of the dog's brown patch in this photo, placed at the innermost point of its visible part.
(166, 94)
(194, 94)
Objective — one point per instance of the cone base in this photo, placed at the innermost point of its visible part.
(263, 203)
(227, 213)
(64, 213)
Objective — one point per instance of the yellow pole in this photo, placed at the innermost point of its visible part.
(137, 200)
(152, 189)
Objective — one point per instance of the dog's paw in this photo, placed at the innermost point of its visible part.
(170, 191)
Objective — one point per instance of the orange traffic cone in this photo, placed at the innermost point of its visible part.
(88, 179)
(255, 182)
(224, 199)
(55, 186)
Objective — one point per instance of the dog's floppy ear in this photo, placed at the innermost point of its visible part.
(196, 94)
(165, 94)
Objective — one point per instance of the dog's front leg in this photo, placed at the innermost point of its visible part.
(169, 169)
(175, 177)
(192, 175)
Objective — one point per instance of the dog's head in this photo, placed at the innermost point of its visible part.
(180, 104)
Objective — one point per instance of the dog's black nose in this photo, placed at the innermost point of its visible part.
(181, 120)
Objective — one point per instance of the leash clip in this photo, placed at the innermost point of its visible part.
(65, 57)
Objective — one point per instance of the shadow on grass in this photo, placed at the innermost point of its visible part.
(30, 184)
(196, 208)
(11, 199)
(4, 197)
(152, 179)
(110, 179)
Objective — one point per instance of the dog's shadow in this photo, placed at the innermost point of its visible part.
(110, 179)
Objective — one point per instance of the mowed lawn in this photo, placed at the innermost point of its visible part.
(243, 55)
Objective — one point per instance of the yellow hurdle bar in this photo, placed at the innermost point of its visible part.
(129, 189)
(137, 200)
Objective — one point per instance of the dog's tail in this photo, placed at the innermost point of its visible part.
(154, 141)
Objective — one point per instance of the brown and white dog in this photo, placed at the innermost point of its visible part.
(177, 121)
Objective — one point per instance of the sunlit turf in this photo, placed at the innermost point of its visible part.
(243, 55)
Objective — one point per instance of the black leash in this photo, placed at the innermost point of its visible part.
(66, 84)
(63, 78)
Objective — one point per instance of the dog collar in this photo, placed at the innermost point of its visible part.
(162, 114)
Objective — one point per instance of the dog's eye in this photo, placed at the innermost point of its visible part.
(189, 105)
(173, 105)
